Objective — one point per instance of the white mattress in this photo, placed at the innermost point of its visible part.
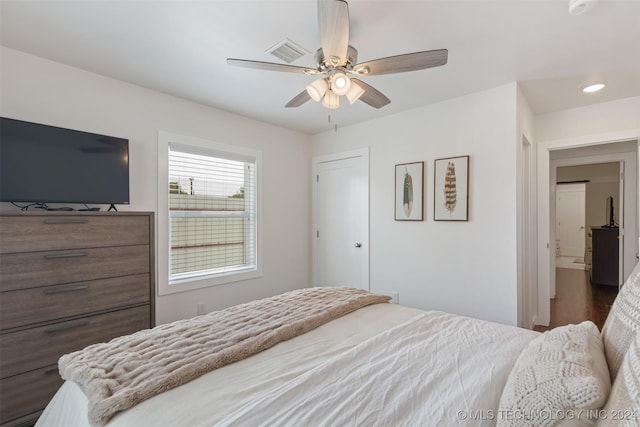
(448, 364)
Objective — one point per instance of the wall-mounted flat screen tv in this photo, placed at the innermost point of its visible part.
(47, 164)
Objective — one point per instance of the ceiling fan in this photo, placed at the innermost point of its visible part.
(336, 63)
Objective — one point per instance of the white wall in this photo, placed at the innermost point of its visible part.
(462, 267)
(38, 90)
(608, 121)
(596, 124)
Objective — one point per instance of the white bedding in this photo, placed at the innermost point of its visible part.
(446, 364)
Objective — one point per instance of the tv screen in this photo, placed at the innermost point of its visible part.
(47, 164)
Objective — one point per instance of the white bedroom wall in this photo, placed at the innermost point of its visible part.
(39, 90)
(606, 121)
(462, 267)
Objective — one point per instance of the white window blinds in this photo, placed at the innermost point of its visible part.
(212, 213)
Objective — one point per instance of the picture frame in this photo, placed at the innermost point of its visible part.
(451, 189)
(409, 192)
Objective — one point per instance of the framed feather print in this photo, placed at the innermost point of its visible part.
(409, 192)
(451, 189)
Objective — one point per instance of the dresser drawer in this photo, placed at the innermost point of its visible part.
(44, 304)
(56, 232)
(37, 347)
(33, 269)
(28, 393)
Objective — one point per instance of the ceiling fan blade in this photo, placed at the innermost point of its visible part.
(333, 22)
(402, 63)
(299, 99)
(371, 95)
(271, 66)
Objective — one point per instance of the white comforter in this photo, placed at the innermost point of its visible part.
(382, 365)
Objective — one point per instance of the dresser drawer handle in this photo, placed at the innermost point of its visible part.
(66, 289)
(66, 221)
(51, 371)
(65, 327)
(66, 255)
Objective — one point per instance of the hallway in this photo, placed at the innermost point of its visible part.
(576, 300)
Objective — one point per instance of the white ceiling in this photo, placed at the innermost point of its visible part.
(180, 48)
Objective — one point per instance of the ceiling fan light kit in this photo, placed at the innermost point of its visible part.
(340, 83)
(317, 89)
(354, 93)
(332, 88)
(331, 100)
(336, 59)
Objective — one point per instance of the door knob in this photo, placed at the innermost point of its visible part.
(358, 245)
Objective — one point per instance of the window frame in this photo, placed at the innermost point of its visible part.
(206, 147)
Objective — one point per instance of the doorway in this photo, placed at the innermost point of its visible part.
(565, 153)
(341, 220)
(583, 206)
(583, 194)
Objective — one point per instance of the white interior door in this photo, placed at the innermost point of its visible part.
(342, 223)
(570, 219)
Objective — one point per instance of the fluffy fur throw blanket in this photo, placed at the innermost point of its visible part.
(125, 371)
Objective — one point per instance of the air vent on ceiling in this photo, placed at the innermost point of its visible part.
(288, 51)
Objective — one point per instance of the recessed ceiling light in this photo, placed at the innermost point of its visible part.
(578, 7)
(593, 88)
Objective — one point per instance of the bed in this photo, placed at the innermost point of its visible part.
(382, 364)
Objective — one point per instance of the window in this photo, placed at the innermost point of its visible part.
(211, 214)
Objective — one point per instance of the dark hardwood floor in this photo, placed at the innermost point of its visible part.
(576, 300)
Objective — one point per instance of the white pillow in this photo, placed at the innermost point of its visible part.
(623, 322)
(623, 406)
(559, 373)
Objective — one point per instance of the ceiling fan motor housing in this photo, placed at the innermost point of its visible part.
(324, 64)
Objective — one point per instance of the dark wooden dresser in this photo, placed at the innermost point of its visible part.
(67, 280)
(605, 256)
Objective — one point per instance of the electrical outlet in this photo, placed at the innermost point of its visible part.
(202, 308)
(395, 298)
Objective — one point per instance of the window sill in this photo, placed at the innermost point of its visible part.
(190, 284)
